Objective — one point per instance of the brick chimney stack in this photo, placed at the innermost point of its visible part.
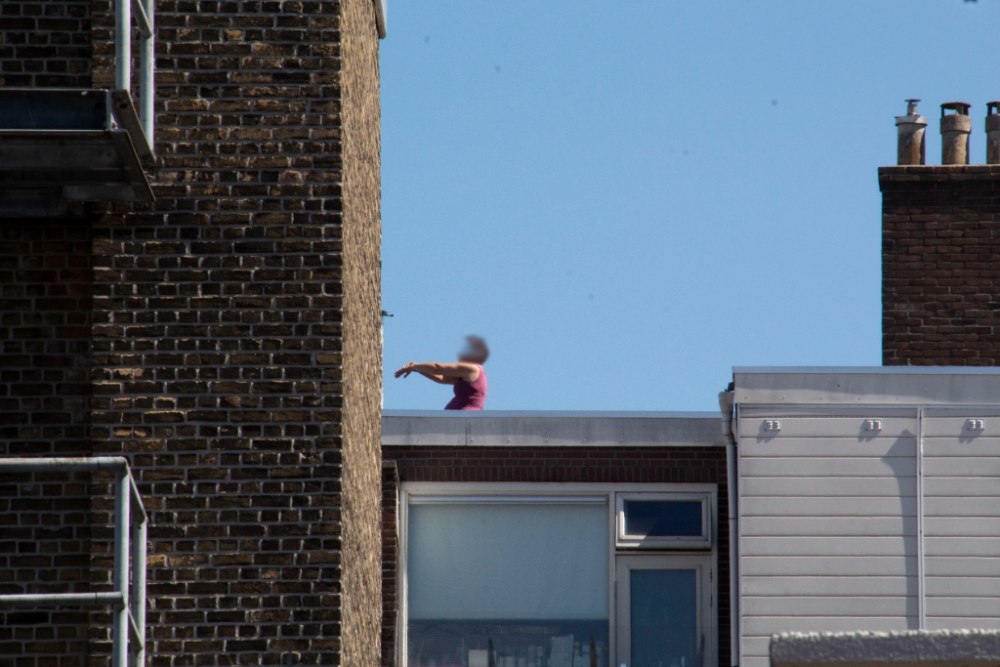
(941, 249)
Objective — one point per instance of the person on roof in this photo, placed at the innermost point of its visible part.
(467, 376)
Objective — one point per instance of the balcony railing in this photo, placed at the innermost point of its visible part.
(144, 13)
(128, 599)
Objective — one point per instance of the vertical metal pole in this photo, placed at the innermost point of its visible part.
(147, 66)
(734, 609)
(123, 45)
(737, 593)
(139, 588)
(123, 489)
(921, 607)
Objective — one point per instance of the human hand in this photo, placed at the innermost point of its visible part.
(405, 370)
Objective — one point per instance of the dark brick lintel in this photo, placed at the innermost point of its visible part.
(938, 173)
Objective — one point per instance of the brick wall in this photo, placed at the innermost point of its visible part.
(390, 557)
(45, 43)
(231, 349)
(45, 315)
(362, 356)
(45, 532)
(940, 269)
(624, 465)
(45, 318)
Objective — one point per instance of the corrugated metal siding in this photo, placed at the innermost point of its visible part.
(828, 525)
(962, 522)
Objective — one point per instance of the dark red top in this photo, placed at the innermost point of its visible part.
(469, 395)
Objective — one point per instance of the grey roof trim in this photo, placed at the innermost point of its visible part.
(869, 370)
(896, 386)
(551, 429)
(552, 414)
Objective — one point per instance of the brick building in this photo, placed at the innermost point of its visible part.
(222, 334)
(941, 261)
(224, 338)
(510, 539)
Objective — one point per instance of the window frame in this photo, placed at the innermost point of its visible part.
(702, 563)
(528, 492)
(625, 541)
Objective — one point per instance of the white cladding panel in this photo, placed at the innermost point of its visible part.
(962, 522)
(833, 535)
(828, 528)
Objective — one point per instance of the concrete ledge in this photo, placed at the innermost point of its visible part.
(552, 429)
(940, 648)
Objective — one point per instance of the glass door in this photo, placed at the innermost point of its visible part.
(664, 611)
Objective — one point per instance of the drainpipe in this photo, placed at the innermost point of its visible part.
(955, 131)
(993, 132)
(726, 401)
(910, 136)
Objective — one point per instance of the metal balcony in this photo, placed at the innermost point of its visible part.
(128, 599)
(62, 146)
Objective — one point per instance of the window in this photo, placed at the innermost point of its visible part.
(663, 619)
(528, 575)
(495, 582)
(651, 520)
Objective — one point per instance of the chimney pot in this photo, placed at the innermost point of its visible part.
(910, 136)
(993, 132)
(955, 130)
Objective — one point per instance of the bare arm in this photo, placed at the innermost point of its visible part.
(440, 379)
(452, 372)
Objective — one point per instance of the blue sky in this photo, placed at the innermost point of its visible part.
(629, 198)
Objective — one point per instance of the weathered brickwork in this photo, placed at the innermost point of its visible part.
(45, 330)
(44, 548)
(390, 557)
(45, 43)
(941, 265)
(362, 361)
(230, 338)
(624, 465)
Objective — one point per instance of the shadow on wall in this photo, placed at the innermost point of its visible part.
(900, 458)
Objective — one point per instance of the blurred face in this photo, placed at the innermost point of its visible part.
(472, 352)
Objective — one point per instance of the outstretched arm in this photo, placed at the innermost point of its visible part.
(440, 379)
(442, 373)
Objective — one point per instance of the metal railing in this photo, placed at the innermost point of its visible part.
(144, 12)
(128, 602)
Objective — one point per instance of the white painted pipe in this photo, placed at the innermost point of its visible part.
(123, 46)
(727, 408)
(147, 69)
(734, 558)
(139, 597)
(119, 657)
(25, 599)
(64, 464)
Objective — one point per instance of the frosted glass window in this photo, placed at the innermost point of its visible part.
(507, 585)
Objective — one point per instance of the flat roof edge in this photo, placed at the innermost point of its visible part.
(893, 385)
(867, 370)
(538, 428)
(549, 414)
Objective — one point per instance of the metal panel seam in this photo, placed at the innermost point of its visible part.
(921, 609)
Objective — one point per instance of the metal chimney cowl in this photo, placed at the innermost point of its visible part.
(955, 131)
(993, 132)
(910, 130)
